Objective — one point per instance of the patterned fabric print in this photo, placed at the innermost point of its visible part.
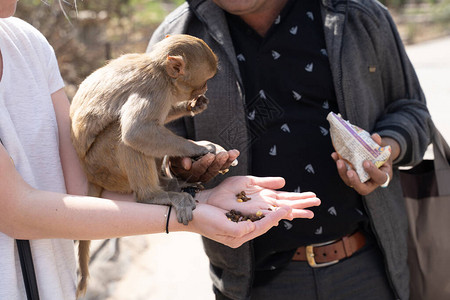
(289, 92)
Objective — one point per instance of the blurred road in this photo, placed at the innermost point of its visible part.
(432, 63)
(174, 266)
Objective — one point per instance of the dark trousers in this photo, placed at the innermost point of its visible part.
(360, 277)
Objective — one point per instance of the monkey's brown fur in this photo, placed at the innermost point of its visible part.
(118, 116)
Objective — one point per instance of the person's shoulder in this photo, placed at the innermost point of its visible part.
(177, 13)
(175, 22)
(24, 31)
(21, 25)
(374, 6)
(371, 9)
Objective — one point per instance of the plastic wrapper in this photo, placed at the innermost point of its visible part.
(354, 145)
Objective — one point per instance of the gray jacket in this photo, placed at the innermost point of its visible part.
(360, 35)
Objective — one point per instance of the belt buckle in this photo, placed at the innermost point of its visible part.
(310, 255)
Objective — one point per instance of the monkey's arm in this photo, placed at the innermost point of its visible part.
(155, 140)
(178, 111)
(206, 167)
(143, 130)
(188, 108)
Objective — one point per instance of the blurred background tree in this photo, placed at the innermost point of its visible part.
(86, 33)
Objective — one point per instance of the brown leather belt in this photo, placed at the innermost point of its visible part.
(329, 253)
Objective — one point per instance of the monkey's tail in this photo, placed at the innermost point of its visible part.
(83, 259)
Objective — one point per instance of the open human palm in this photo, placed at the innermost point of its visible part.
(263, 194)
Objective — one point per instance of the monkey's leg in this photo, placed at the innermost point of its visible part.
(83, 250)
(183, 203)
(143, 176)
(168, 182)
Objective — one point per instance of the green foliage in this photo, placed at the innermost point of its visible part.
(441, 13)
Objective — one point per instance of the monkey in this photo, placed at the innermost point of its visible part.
(117, 123)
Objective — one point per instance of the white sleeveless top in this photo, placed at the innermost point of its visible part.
(29, 133)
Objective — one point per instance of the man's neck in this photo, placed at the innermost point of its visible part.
(262, 20)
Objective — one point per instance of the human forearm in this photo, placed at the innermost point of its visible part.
(28, 213)
(395, 147)
(87, 218)
(39, 214)
(405, 115)
(74, 177)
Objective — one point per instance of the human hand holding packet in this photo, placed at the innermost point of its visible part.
(355, 145)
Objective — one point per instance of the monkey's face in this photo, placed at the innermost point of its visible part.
(194, 85)
(190, 64)
(200, 91)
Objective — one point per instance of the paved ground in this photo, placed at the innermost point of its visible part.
(172, 267)
(432, 63)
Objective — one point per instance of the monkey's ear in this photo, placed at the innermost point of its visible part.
(175, 66)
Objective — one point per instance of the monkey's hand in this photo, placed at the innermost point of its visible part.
(208, 147)
(198, 105)
(206, 167)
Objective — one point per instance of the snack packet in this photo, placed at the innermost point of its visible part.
(354, 145)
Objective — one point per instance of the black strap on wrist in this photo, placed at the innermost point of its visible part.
(168, 218)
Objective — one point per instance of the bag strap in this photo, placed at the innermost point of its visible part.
(26, 264)
(441, 151)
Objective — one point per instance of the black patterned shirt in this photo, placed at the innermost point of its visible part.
(289, 92)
